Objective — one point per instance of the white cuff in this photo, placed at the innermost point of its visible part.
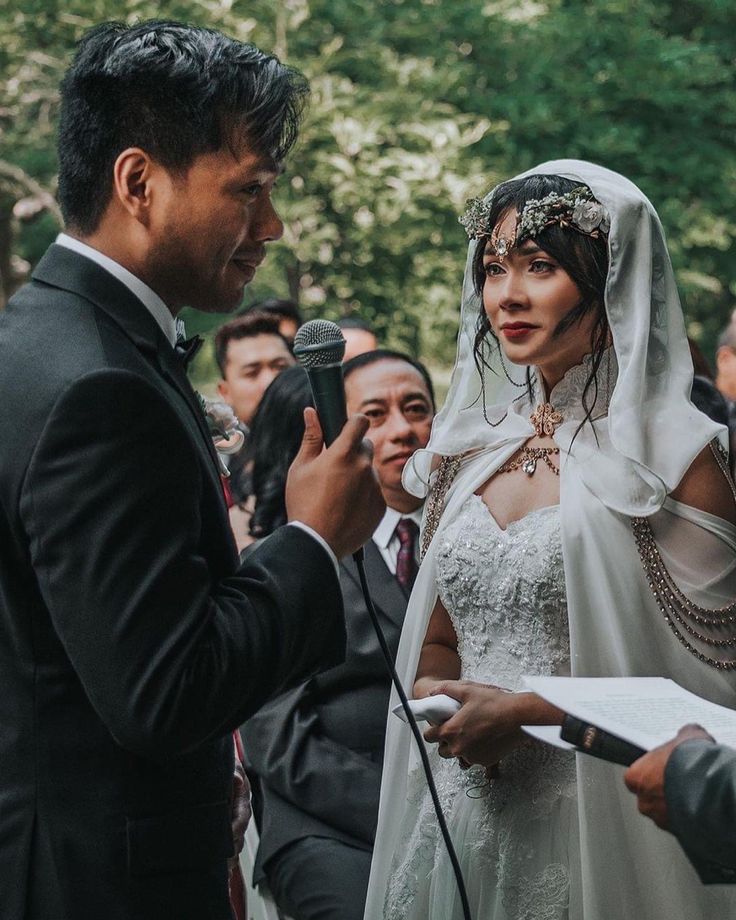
(320, 539)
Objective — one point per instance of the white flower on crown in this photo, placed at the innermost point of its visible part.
(589, 215)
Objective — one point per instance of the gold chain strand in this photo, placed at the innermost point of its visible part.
(654, 565)
(674, 605)
(721, 456)
(527, 459)
(446, 472)
(719, 664)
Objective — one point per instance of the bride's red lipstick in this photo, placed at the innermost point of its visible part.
(517, 330)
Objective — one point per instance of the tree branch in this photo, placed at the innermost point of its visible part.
(15, 178)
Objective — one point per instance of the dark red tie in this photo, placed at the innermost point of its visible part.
(406, 564)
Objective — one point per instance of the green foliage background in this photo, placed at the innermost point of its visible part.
(417, 105)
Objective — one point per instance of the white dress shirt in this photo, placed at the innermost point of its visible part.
(165, 319)
(386, 539)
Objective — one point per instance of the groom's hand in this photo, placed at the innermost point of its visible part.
(334, 490)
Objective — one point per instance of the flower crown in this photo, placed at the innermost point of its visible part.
(577, 209)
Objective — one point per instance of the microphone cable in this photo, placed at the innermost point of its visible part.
(359, 561)
(319, 347)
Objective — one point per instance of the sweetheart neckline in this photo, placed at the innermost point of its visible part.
(517, 520)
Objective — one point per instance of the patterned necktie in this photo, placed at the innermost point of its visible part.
(406, 564)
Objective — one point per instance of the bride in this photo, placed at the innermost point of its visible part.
(575, 493)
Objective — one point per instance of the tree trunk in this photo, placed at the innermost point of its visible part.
(293, 277)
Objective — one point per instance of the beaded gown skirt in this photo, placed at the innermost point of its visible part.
(516, 836)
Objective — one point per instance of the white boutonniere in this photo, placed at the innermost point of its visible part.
(226, 431)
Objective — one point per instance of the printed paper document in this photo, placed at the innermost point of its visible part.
(647, 711)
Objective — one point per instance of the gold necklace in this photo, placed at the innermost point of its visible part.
(545, 420)
(527, 459)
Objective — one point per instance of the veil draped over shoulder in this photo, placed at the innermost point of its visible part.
(622, 466)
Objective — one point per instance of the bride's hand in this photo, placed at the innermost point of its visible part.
(425, 686)
(488, 726)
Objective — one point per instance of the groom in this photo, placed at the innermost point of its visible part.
(131, 643)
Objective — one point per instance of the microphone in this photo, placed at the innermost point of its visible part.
(319, 347)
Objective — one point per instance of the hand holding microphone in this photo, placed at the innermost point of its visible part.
(334, 490)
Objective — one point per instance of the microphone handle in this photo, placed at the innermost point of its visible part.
(328, 390)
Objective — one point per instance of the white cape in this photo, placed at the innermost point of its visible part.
(630, 869)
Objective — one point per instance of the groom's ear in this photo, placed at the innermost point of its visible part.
(139, 184)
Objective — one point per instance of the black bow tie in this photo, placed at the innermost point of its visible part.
(186, 349)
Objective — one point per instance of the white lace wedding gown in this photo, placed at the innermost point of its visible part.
(517, 836)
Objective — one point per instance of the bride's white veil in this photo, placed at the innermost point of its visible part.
(650, 406)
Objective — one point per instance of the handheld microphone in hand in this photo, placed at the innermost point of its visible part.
(319, 347)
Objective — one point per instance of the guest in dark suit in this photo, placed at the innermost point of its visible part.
(688, 787)
(317, 750)
(131, 642)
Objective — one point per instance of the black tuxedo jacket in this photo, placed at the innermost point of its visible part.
(131, 643)
(317, 750)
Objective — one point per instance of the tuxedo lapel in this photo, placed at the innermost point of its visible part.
(71, 271)
(61, 267)
(386, 592)
(176, 376)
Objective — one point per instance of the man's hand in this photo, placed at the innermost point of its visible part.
(241, 811)
(488, 726)
(645, 777)
(335, 491)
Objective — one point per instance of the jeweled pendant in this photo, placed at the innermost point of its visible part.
(529, 466)
(545, 420)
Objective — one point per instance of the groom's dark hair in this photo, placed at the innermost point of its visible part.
(177, 91)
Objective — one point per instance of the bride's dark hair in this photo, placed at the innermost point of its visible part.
(585, 260)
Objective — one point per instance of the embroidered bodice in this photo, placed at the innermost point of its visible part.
(504, 591)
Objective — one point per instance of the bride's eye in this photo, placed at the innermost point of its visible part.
(492, 268)
(540, 266)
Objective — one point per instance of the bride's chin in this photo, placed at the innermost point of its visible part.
(518, 357)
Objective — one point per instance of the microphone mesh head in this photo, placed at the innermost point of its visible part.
(319, 343)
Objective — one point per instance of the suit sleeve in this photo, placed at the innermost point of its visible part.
(286, 747)
(168, 655)
(700, 789)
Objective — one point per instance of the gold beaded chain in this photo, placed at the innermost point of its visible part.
(446, 472)
(527, 459)
(678, 610)
(545, 419)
